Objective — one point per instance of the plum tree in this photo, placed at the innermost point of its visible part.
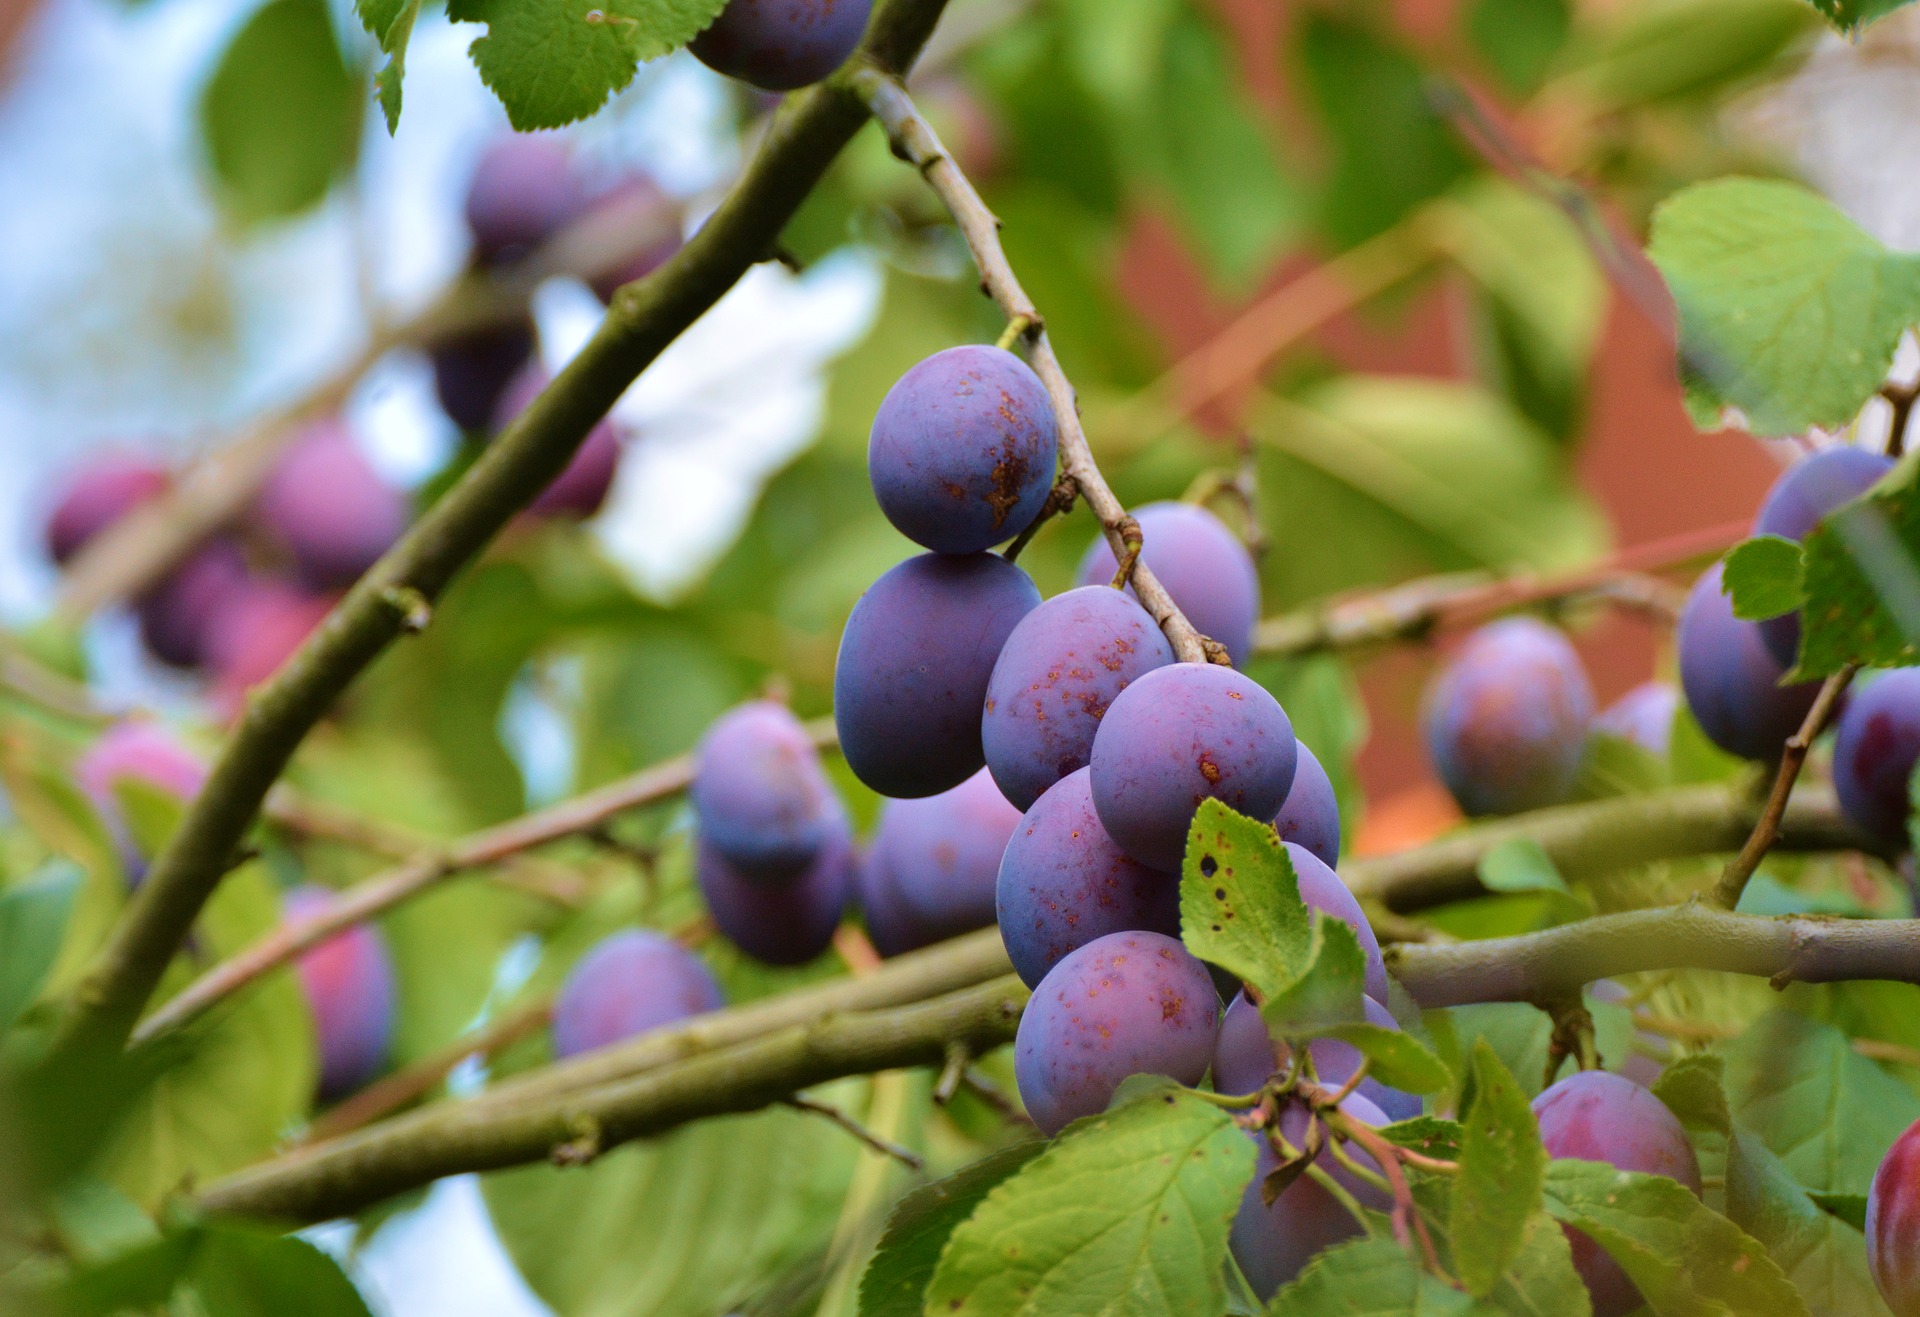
(786, 922)
(1203, 565)
(1245, 1057)
(1806, 492)
(628, 983)
(1644, 716)
(582, 485)
(177, 615)
(329, 508)
(933, 861)
(1602, 1117)
(1180, 735)
(759, 793)
(523, 191)
(1893, 1228)
(1310, 815)
(1056, 676)
(1273, 1242)
(962, 450)
(471, 370)
(915, 658)
(1063, 882)
(1732, 680)
(1124, 1004)
(1506, 720)
(778, 45)
(98, 494)
(349, 985)
(1874, 753)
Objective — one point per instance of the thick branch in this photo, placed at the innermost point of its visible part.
(1539, 966)
(1605, 836)
(384, 891)
(915, 142)
(643, 319)
(333, 1179)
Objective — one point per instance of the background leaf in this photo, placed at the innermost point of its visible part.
(895, 1282)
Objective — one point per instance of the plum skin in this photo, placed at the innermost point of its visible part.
(1124, 1004)
(915, 658)
(348, 980)
(789, 922)
(1597, 1116)
(1730, 678)
(963, 448)
(1892, 1227)
(1063, 883)
(1310, 815)
(1273, 1243)
(1806, 492)
(1180, 735)
(1644, 716)
(1206, 569)
(583, 484)
(328, 506)
(759, 793)
(938, 858)
(778, 45)
(628, 983)
(1507, 720)
(1874, 752)
(1059, 672)
(97, 496)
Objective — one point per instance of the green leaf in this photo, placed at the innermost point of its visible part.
(1502, 1169)
(238, 1272)
(281, 114)
(391, 24)
(1126, 1213)
(554, 61)
(1240, 905)
(895, 1281)
(1762, 577)
(1370, 1278)
(1693, 1090)
(1434, 1136)
(1392, 150)
(1329, 990)
(1852, 15)
(1683, 49)
(1789, 311)
(1520, 864)
(1539, 1282)
(1826, 1111)
(698, 1221)
(1862, 580)
(1518, 38)
(33, 923)
(1822, 1256)
(1851, 1208)
(1399, 1060)
(1684, 1258)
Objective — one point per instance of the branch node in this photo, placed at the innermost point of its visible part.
(583, 1147)
(1131, 543)
(959, 1056)
(412, 607)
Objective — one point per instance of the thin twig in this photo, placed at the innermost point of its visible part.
(951, 1073)
(907, 1157)
(915, 142)
(1766, 829)
(1900, 398)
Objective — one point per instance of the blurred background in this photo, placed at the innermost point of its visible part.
(1370, 271)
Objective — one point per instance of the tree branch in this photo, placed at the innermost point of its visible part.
(334, 1179)
(426, 870)
(915, 142)
(645, 316)
(1605, 836)
(1539, 966)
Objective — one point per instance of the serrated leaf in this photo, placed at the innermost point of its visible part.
(1693, 1089)
(1398, 1059)
(1822, 1256)
(391, 24)
(1502, 1169)
(1434, 1136)
(281, 114)
(1240, 905)
(1851, 1208)
(1762, 577)
(33, 923)
(1788, 310)
(1329, 989)
(1370, 1278)
(554, 61)
(1520, 864)
(1540, 1281)
(1684, 1257)
(1125, 1213)
(1862, 582)
(895, 1281)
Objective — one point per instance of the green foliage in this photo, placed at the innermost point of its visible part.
(281, 114)
(1683, 1257)
(895, 1281)
(554, 61)
(33, 921)
(1852, 15)
(390, 22)
(1862, 582)
(1520, 864)
(1502, 1171)
(1762, 577)
(1825, 1258)
(1136, 1203)
(1518, 38)
(1371, 1278)
(1693, 1090)
(222, 1270)
(1658, 54)
(1788, 310)
(1240, 905)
